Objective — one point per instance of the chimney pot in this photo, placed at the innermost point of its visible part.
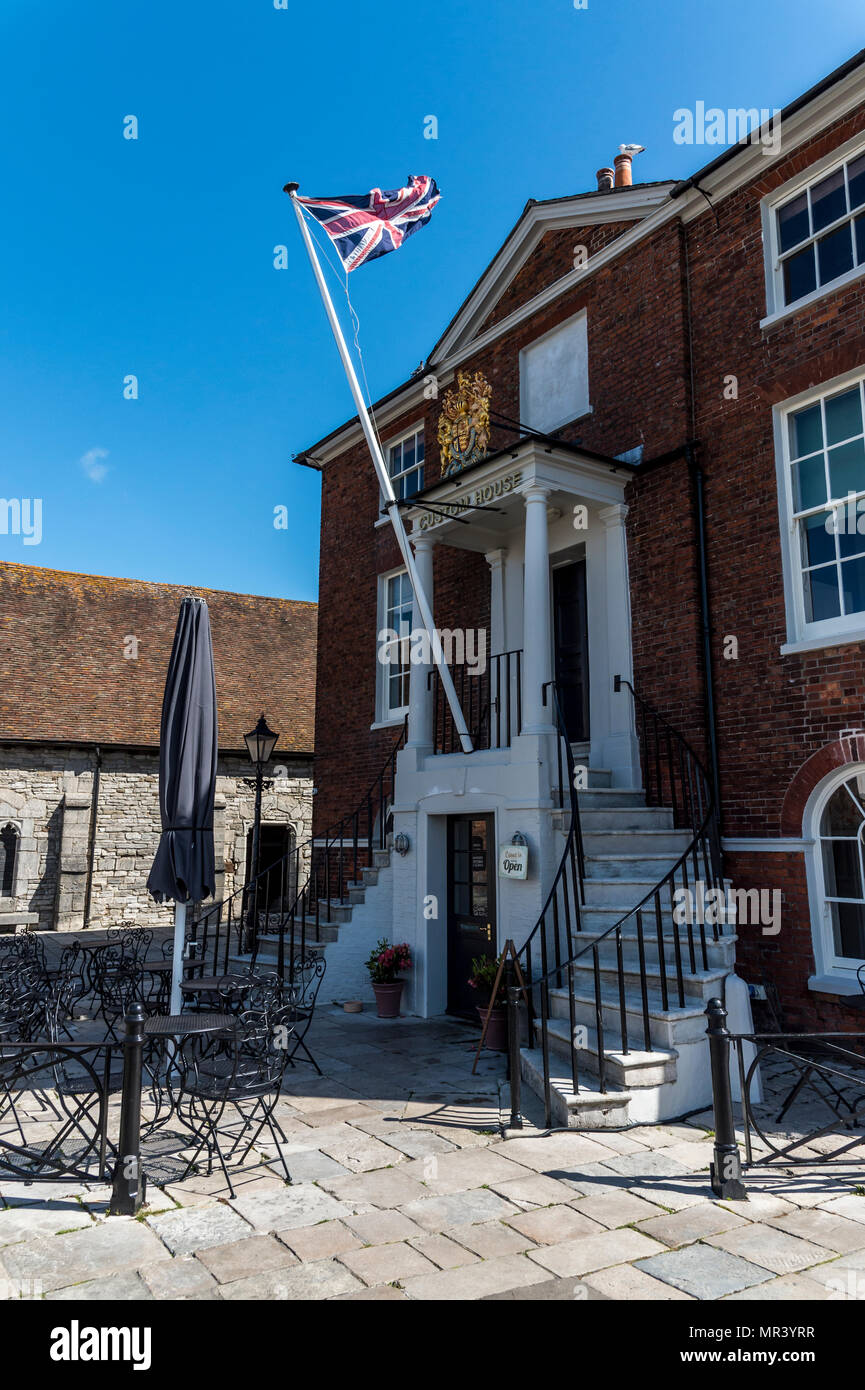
(623, 170)
(606, 179)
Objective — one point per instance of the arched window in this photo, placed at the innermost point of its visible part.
(8, 858)
(838, 828)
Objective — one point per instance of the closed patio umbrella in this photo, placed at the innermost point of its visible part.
(183, 869)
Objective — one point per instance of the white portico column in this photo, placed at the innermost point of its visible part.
(621, 752)
(420, 696)
(498, 637)
(537, 615)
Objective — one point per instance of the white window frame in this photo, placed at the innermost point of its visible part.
(415, 430)
(776, 309)
(833, 974)
(385, 715)
(801, 634)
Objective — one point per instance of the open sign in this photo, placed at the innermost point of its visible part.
(513, 861)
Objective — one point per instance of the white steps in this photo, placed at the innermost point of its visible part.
(629, 848)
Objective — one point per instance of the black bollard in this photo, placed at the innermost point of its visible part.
(512, 995)
(128, 1184)
(726, 1171)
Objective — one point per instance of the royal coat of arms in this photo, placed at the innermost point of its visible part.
(464, 424)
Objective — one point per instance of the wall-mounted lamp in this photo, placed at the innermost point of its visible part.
(402, 843)
(518, 838)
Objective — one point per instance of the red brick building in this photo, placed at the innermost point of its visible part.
(669, 493)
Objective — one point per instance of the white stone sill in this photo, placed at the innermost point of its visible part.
(816, 644)
(780, 315)
(834, 984)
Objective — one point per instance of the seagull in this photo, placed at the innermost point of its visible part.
(631, 149)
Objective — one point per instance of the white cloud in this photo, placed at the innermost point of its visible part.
(92, 464)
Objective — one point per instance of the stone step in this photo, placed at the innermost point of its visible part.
(334, 911)
(610, 798)
(630, 866)
(584, 1110)
(381, 858)
(667, 1027)
(702, 984)
(718, 953)
(628, 1070)
(622, 818)
(612, 891)
(650, 841)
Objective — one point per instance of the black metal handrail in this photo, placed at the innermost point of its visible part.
(491, 701)
(308, 875)
(664, 753)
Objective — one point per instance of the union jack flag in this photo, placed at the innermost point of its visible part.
(368, 225)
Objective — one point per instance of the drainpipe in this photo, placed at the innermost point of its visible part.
(696, 474)
(91, 838)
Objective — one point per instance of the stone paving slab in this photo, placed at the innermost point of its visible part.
(385, 1264)
(443, 1252)
(621, 1282)
(300, 1205)
(117, 1246)
(195, 1228)
(588, 1253)
(458, 1209)
(123, 1288)
(181, 1278)
(619, 1207)
(27, 1222)
(319, 1242)
(770, 1248)
(476, 1280)
(552, 1225)
(829, 1229)
(318, 1279)
(691, 1224)
(238, 1259)
(704, 1272)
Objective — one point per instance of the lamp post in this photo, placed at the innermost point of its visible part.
(260, 743)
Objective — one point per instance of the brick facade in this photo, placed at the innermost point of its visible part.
(669, 318)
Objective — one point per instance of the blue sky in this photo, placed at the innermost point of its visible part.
(154, 257)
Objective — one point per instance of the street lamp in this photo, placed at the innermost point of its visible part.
(260, 743)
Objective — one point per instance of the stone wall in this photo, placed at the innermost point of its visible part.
(48, 795)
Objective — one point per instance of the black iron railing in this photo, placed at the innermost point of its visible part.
(491, 702)
(674, 778)
(804, 1077)
(293, 893)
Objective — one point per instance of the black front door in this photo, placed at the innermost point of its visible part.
(571, 633)
(276, 886)
(471, 905)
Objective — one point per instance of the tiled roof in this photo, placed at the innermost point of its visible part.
(64, 676)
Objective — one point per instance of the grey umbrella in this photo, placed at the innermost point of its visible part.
(183, 868)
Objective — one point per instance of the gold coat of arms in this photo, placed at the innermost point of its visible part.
(464, 424)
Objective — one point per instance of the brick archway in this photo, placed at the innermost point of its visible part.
(812, 772)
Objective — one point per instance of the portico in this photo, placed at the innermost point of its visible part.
(532, 511)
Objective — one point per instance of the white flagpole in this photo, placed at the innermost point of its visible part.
(393, 510)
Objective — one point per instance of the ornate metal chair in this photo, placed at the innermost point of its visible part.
(242, 1070)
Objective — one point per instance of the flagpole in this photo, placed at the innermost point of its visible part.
(385, 483)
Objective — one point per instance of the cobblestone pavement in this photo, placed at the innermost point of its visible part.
(404, 1186)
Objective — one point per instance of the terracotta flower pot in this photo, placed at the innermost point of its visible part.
(387, 998)
(497, 1028)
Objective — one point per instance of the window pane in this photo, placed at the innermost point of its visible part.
(800, 276)
(859, 231)
(843, 416)
(807, 432)
(822, 597)
(848, 930)
(853, 584)
(856, 181)
(395, 460)
(841, 815)
(828, 200)
(835, 254)
(851, 529)
(809, 483)
(847, 468)
(408, 454)
(841, 869)
(420, 447)
(793, 222)
(818, 544)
